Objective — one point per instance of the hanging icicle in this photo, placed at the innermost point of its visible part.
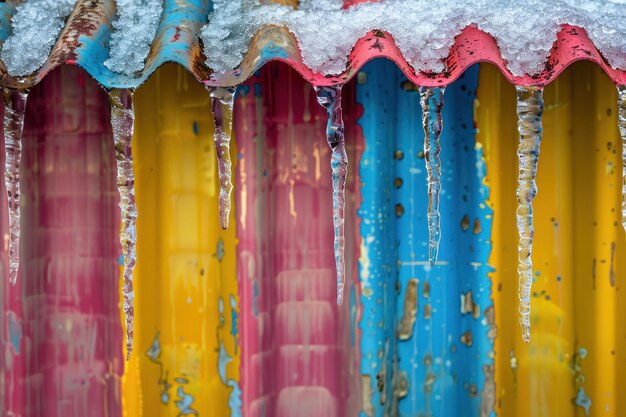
(330, 99)
(14, 110)
(621, 109)
(222, 100)
(529, 111)
(122, 121)
(431, 100)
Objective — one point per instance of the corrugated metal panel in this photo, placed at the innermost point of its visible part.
(427, 331)
(579, 337)
(375, 359)
(187, 351)
(61, 334)
(84, 42)
(299, 350)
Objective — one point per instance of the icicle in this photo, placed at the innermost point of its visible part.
(122, 121)
(330, 99)
(621, 108)
(431, 100)
(529, 111)
(14, 110)
(222, 100)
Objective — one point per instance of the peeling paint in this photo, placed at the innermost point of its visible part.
(468, 306)
(184, 403)
(488, 395)
(223, 360)
(406, 323)
(582, 399)
(367, 394)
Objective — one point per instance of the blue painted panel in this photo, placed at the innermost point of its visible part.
(181, 20)
(440, 365)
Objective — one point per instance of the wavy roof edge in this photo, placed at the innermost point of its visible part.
(85, 41)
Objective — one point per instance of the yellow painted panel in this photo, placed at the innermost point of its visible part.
(186, 263)
(578, 342)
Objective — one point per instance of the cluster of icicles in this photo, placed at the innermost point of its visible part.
(529, 109)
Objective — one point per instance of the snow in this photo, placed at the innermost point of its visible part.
(35, 28)
(133, 34)
(424, 30)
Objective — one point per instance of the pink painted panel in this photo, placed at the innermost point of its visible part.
(69, 361)
(297, 346)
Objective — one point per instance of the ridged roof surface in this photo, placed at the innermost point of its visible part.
(84, 41)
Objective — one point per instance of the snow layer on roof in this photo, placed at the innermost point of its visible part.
(35, 28)
(424, 30)
(133, 33)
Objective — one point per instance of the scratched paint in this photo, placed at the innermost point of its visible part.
(444, 363)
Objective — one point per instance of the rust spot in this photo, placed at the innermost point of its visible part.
(492, 333)
(428, 311)
(488, 396)
(465, 223)
(466, 338)
(426, 290)
(477, 228)
(379, 34)
(176, 34)
(366, 395)
(409, 86)
(198, 68)
(377, 45)
(398, 155)
(429, 382)
(428, 360)
(612, 269)
(398, 182)
(380, 384)
(399, 210)
(593, 273)
(405, 325)
(468, 306)
(401, 385)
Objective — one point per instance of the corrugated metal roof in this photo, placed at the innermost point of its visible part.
(178, 40)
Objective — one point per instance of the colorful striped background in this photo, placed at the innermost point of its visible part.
(243, 322)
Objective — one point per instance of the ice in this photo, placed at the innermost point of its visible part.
(431, 100)
(330, 99)
(14, 110)
(35, 28)
(621, 106)
(424, 30)
(529, 111)
(222, 100)
(122, 121)
(133, 33)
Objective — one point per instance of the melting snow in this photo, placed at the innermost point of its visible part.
(134, 31)
(35, 28)
(424, 30)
